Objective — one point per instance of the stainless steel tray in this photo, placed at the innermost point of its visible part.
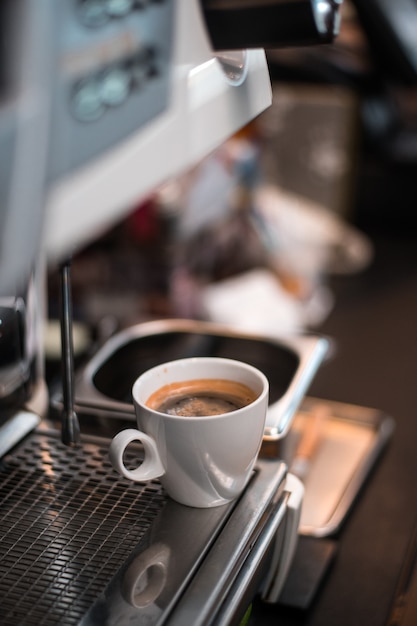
(104, 384)
(352, 438)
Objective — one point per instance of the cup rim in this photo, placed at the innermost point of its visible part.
(201, 359)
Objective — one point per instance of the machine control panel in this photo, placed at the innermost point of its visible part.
(112, 75)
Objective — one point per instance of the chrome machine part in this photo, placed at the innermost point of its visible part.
(235, 24)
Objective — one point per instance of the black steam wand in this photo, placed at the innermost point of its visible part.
(70, 429)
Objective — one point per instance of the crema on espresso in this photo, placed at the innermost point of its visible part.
(201, 397)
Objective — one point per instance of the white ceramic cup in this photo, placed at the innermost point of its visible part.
(200, 461)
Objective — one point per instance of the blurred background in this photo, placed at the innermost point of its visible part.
(299, 197)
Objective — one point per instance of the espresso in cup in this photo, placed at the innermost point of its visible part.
(201, 397)
(204, 449)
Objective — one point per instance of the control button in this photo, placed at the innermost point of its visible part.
(87, 105)
(114, 87)
(93, 13)
(119, 8)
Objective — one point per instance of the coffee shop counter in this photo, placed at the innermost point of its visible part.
(374, 325)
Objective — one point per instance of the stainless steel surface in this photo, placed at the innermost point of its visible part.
(289, 363)
(67, 525)
(19, 422)
(79, 544)
(219, 569)
(352, 439)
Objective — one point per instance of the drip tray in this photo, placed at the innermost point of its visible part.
(67, 525)
(76, 538)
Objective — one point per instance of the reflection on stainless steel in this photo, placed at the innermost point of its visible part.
(284, 551)
(351, 440)
(309, 441)
(146, 576)
(17, 427)
(327, 16)
(234, 64)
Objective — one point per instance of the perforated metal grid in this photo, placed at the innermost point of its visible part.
(67, 524)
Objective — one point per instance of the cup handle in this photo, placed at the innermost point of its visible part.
(151, 466)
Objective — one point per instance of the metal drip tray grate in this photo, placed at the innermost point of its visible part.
(68, 523)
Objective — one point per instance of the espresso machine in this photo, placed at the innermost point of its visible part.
(101, 101)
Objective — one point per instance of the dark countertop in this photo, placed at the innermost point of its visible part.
(374, 325)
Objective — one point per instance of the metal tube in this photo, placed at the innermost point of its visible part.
(70, 433)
